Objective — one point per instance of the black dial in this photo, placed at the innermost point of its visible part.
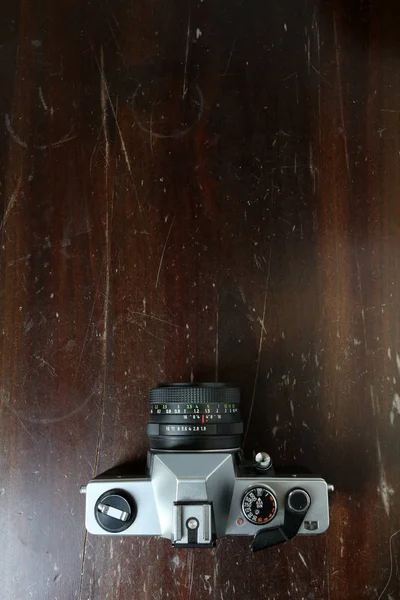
(259, 505)
(115, 511)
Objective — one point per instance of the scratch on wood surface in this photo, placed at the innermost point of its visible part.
(184, 86)
(118, 582)
(262, 329)
(84, 546)
(151, 131)
(229, 58)
(44, 363)
(12, 133)
(145, 311)
(107, 290)
(319, 114)
(190, 573)
(391, 563)
(108, 209)
(41, 98)
(177, 134)
(143, 327)
(50, 420)
(395, 410)
(66, 138)
(16, 415)
(374, 401)
(389, 110)
(107, 261)
(318, 43)
(90, 319)
(339, 80)
(328, 578)
(318, 39)
(13, 200)
(163, 252)
(100, 129)
(262, 324)
(361, 300)
(117, 43)
(312, 168)
(303, 560)
(103, 101)
(384, 489)
(121, 137)
(150, 316)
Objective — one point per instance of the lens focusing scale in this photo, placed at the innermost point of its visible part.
(202, 416)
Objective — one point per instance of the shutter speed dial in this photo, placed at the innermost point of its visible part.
(259, 505)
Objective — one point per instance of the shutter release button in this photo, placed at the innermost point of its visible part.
(298, 501)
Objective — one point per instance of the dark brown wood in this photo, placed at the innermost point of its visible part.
(204, 190)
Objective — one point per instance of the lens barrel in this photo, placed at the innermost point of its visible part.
(198, 416)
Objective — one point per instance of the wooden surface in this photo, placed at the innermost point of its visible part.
(211, 190)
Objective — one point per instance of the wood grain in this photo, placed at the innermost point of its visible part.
(205, 190)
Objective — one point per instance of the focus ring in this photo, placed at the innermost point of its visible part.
(196, 394)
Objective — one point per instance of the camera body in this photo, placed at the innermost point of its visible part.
(198, 489)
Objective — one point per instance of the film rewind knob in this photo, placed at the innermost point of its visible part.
(115, 511)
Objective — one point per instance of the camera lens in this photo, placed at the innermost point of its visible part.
(198, 416)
